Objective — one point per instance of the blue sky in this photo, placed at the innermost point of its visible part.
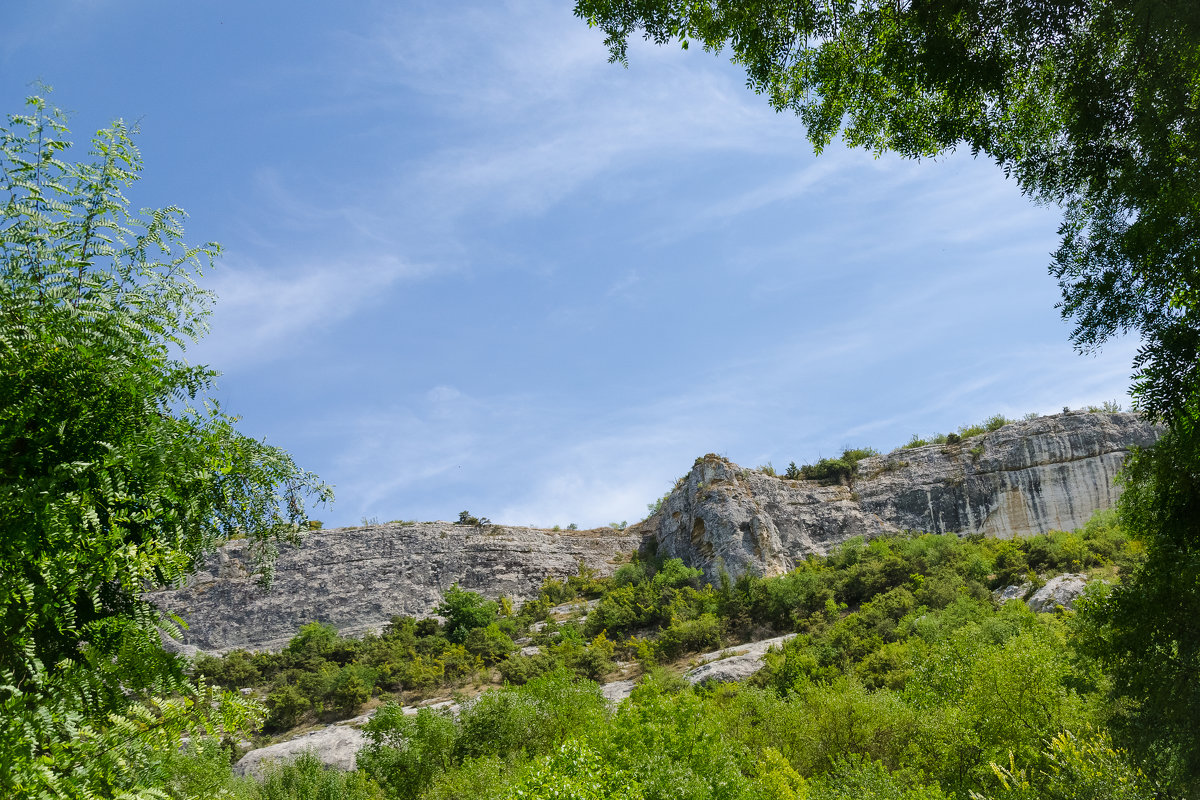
(471, 265)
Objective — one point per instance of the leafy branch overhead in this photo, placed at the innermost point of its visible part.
(1093, 105)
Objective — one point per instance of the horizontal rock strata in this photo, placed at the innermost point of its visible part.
(1026, 478)
(358, 578)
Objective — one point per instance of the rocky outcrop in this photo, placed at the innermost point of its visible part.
(1059, 592)
(1023, 479)
(358, 578)
(734, 664)
(1026, 478)
(334, 746)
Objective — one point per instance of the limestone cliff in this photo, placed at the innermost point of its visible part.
(1025, 478)
(1050, 473)
(358, 578)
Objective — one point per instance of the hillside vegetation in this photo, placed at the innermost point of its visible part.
(906, 679)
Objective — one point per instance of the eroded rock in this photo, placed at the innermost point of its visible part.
(1062, 590)
(1031, 477)
(735, 663)
(335, 746)
(358, 578)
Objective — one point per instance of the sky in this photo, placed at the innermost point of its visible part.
(469, 264)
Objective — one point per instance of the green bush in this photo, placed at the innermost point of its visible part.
(1081, 768)
(307, 778)
(688, 636)
(837, 470)
(405, 753)
(352, 687)
(236, 669)
(464, 611)
(489, 643)
(286, 706)
(575, 772)
(855, 778)
(202, 770)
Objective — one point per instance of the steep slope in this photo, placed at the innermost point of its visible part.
(1025, 478)
(1049, 473)
(358, 578)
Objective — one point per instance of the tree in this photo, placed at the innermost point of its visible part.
(465, 611)
(117, 469)
(1093, 105)
(1147, 631)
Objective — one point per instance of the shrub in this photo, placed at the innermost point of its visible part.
(422, 673)
(575, 772)
(675, 574)
(1088, 768)
(855, 778)
(502, 723)
(307, 778)
(837, 470)
(459, 666)
(489, 643)
(202, 770)
(351, 688)
(286, 706)
(314, 643)
(465, 610)
(690, 636)
(631, 573)
(405, 753)
(236, 670)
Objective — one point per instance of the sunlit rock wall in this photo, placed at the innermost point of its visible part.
(1050, 473)
(358, 578)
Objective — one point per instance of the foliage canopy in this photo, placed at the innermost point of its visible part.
(1090, 104)
(116, 469)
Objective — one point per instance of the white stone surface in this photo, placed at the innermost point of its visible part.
(335, 746)
(1060, 591)
(1026, 478)
(735, 663)
(1013, 592)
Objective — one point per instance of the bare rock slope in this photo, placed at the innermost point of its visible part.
(1026, 478)
(358, 578)
(1023, 479)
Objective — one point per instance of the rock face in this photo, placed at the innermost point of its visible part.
(1060, 591)
(334, 746)
(358, 578)
(735, 663)
(1025, 478)
(1031, 477)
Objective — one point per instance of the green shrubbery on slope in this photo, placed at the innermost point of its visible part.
(905, 680)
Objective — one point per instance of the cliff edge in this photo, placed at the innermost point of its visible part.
(358, 578)
(1026, 478)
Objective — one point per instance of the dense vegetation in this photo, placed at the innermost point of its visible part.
(906, 679)
(1092, 106)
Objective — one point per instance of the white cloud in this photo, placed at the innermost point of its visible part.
(261, 313)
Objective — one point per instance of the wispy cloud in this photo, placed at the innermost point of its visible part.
(262, 313)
